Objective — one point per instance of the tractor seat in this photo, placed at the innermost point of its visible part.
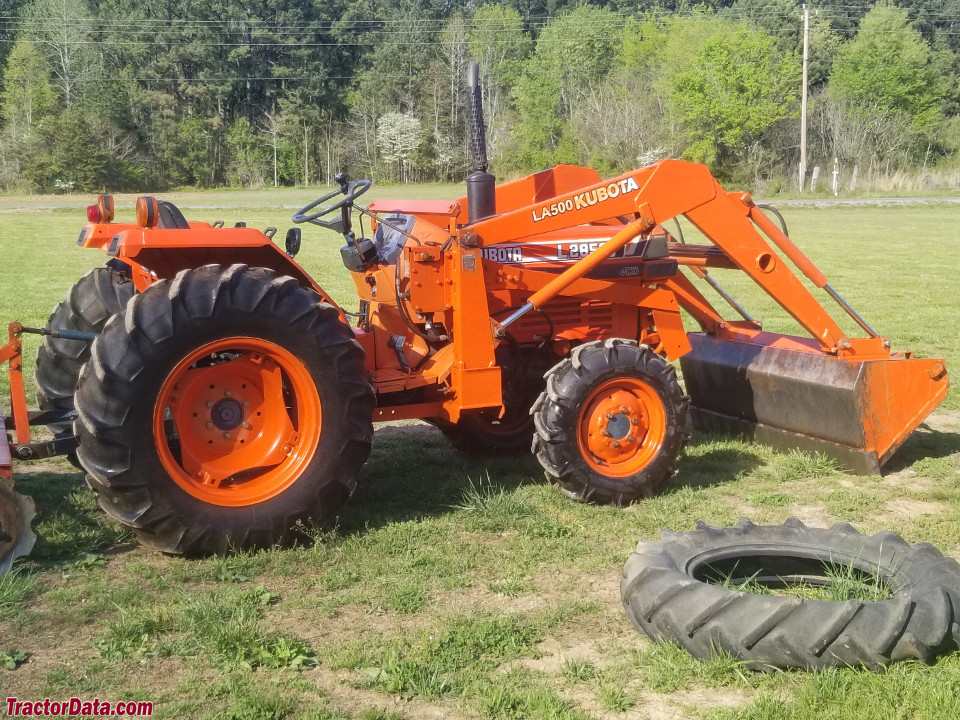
(170, 217)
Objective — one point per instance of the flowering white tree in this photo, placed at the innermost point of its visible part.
(398, 137)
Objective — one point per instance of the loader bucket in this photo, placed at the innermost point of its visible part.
(786, 392)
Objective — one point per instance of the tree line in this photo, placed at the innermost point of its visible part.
(154, 94)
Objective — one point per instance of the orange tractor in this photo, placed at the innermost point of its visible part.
(216, 395)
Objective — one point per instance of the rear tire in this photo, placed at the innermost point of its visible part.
(94, 299)
(223, 408)
(610, 424)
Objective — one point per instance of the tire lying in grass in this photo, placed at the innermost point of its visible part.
(670, 591)
(95, 298)
(223, 408)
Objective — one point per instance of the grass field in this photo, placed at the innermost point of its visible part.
(455, 587)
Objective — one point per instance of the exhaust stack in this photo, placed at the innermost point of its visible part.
(481, 185)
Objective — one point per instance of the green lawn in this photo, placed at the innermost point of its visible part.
(456, 587)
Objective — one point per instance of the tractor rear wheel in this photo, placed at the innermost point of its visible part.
(610, 424)
(94, 299)
(223, 408)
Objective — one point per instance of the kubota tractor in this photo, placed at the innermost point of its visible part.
(218, 395)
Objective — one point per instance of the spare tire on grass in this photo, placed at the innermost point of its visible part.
(684, 589)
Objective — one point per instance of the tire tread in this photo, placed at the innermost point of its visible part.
(664, 600)
(181, 311)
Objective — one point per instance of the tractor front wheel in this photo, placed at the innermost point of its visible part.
(223, 408)
(610, 424)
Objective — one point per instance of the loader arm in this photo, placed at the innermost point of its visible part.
(848, 397)
(666, 190)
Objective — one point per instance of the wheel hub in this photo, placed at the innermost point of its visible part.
(227, 414)
(621, 426)
(618, 428)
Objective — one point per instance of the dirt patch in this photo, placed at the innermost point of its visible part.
(813, 515)
(404, 428)
(680, 705)
(943, 421)
(908, 479)
(910, 507)
(553, 654)
(900, 511)
(340, 690)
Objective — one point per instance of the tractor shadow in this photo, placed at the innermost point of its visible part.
(414, 473)
(712, 459)
(926, 442)
(71, 529)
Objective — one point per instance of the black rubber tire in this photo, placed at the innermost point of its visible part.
(556, 415)
(94, 299)
(482, 433)
(667, 596)
(137, 351)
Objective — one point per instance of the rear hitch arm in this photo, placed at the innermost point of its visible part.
(62, 334)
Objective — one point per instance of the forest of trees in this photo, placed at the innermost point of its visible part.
(154, 94)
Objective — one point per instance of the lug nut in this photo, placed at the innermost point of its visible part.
(615, 444)
(609, 416)
(209, 425)
(605, 433)
(630, 438)
(623, 409)
(226, 435)
(209, 403)
(246, 426)
(227, 393)
(634, 421)
(246, 403)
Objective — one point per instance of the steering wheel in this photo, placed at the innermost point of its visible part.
(350, 192)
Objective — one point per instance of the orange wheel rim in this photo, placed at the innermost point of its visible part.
(621, 427)
(247, 419)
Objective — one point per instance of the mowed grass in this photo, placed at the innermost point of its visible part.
(465, 587)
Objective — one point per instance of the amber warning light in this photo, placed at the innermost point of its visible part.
(102, 212)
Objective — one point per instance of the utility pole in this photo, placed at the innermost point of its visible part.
(803, 99)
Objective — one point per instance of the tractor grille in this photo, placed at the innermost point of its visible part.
(586, 318)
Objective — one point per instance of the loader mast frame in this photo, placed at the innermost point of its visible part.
(729, 220)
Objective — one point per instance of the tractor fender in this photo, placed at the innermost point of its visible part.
(155, 253)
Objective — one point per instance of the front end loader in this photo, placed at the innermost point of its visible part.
(226, 397)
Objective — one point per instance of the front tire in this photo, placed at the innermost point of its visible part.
(221, 409)
(610, 424)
